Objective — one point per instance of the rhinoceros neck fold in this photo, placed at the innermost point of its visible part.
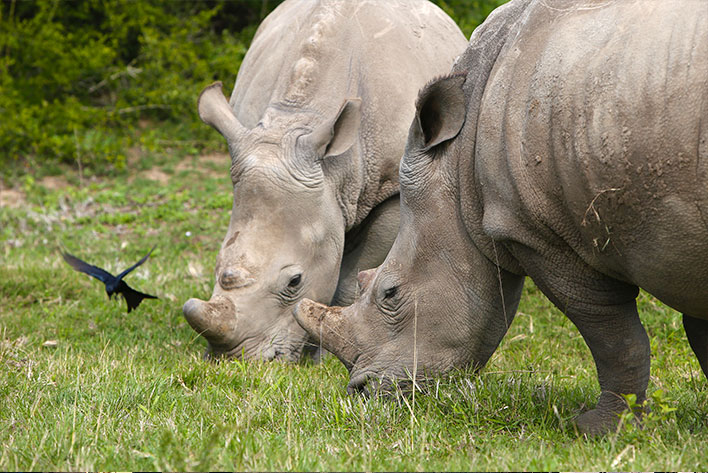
(489, 40)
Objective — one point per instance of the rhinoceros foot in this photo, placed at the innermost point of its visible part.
(605, 418)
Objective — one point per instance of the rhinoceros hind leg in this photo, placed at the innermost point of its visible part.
(697, 334)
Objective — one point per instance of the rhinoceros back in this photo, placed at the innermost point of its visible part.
(594, 134)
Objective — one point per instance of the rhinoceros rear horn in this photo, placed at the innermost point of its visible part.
(214, 110)
(440, 111)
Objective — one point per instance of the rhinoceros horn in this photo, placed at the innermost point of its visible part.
(329, 328)
(214, 110)
(215, 320)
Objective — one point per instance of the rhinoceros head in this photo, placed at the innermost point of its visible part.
(286, 234)
(434, 303)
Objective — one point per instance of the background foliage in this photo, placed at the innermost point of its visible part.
(85, 81)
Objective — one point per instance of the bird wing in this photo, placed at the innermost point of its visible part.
(142, 260)
(132, 297)
(98, 273)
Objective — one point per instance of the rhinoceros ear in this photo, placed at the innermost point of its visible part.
(214, 110)
(338, 135)
(440, 111)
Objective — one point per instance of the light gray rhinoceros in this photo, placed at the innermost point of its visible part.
(570, 144)
(316, 127)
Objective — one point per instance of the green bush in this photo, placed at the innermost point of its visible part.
(85, 81)
(78, 77)
(468, 14)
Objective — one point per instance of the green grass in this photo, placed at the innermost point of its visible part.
(85, 386)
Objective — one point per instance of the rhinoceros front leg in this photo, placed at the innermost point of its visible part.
(605, 311)
(366, 247)
(697, 333)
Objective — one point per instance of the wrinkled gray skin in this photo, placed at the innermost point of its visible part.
(570, 145)
(316, 127)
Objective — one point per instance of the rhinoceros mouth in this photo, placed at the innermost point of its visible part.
(369, 383)
(215, 352)
(259, 349)
(359, 384)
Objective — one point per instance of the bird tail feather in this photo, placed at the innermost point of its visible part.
(133, 298)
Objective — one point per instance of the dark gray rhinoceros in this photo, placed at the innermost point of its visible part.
(316, 127)
(570, 144)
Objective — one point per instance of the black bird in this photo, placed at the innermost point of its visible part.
(114, 284)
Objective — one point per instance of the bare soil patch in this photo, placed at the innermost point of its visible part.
(156, 174)
(210, 164)
(54, 182)
(11, 198)
(15, 197)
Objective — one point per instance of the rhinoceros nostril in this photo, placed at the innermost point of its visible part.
(233, 278)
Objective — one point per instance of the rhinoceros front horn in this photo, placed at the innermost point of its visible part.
(329, 328)
(214, 110)
(214, 320)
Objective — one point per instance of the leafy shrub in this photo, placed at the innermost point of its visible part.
(468, 14)
(84, 81)
(77, 77)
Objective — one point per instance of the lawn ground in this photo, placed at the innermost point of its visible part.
(85, 386)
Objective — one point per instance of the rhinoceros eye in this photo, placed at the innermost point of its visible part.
(294, 286)
(295, 281)
(389, 300)
(390, 292)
